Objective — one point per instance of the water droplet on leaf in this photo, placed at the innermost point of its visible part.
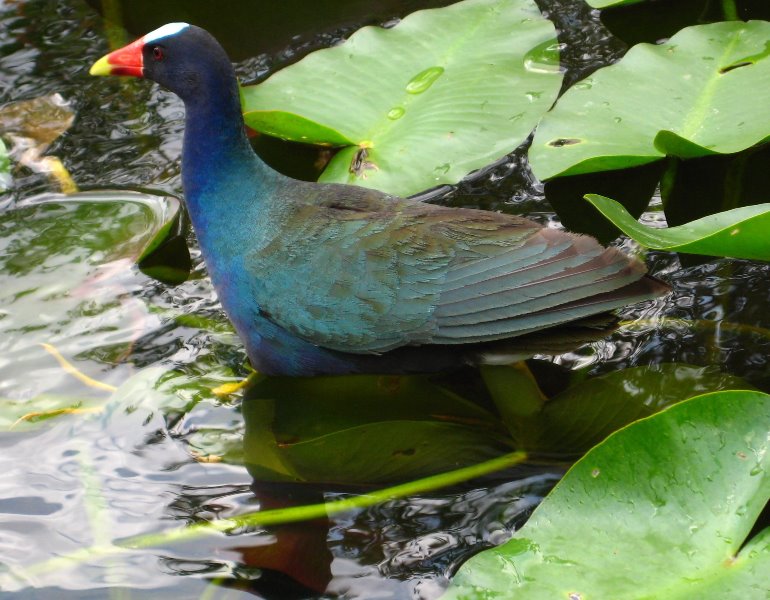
(396, 113)
(543, 58)
(423, 80)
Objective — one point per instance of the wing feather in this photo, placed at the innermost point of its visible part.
(496, 330)
(353, 270)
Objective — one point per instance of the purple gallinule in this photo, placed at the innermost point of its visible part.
(333, 279)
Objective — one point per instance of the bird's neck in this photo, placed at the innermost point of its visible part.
(225, 183)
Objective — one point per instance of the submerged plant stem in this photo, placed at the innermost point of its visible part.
(309, 512)
(282, 515)
(72, 370)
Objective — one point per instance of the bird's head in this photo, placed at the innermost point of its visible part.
(181, 57)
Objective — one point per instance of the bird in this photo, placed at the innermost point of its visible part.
(334, 279)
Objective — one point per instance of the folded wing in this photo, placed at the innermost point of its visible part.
(364, 274)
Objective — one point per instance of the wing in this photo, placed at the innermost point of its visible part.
(365, 273)
(570, 278)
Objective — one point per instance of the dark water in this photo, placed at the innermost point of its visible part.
(133, 462)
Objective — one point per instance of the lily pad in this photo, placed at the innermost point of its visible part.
(684, 98)
(21, 415)
(727, 8)
(661, 509)
(444, 92)
(584, 414)
(738, 233)
(364, 429)
(133, 225)
(68, 281)
(608, 3)
(156, 232)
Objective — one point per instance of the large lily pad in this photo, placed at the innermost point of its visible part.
(89, 227)
(364, 429)
(68, 281)
(661, 509)
(738, 233)
(442, 93)
(584, 414)
(686, 98)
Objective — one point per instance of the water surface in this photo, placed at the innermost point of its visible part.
(142, 460)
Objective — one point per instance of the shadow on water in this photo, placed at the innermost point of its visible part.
(142, 444)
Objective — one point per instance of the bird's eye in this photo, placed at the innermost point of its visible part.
(157, 53)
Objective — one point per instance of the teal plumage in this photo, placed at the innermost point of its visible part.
(321, 278)
(413, 273)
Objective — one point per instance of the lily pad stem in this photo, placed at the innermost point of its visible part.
(729, 10)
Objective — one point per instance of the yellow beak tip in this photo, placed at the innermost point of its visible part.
(101, 67)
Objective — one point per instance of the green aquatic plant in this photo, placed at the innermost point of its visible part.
(664, 508)
(444, 92)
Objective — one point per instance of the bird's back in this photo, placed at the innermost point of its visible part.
(359, 271)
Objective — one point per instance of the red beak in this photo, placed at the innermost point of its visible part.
(127, 60)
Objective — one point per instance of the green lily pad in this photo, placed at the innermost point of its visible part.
(363, 429)
(584, 414)
(444, 92)
(105, 225)
(738, 233)
(165, 256)
(155, 234)
(685, 98)
(68, 281)
(727, 8)
(166, 214)
(21, 415)
(292, 127)
(608, 3)
(661, 509)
